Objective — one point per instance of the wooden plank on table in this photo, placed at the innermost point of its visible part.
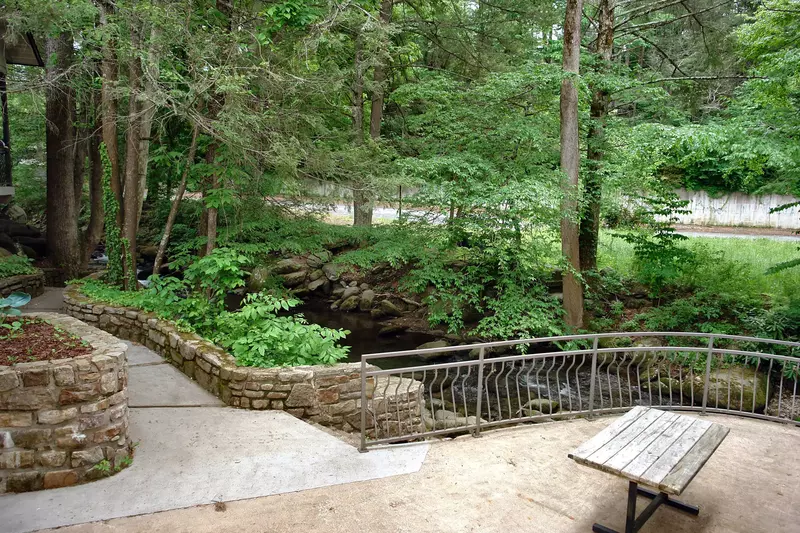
(598, 441)
(625, 437)
(672, 455)
(641, 443)
(691, 463)
(645, 460)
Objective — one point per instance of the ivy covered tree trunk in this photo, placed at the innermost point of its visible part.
(595, 149)
(130, 191)
(63, 241)
(570, 164)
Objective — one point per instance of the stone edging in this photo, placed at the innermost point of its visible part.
(32, 284)
(328, 395)
(60, 418)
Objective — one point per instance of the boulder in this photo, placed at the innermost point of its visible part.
(148, 252)
(364, 286)
(319, 284)
(287, 266)
(745, 385)
(37, 244)
(391, 330)
(433, 355)
(444, 419)
(539, 406)
(5, 253)
(389, 308)
(258, 278)
(316, 274)
(377, 313)
(294, 279)
(349, 304)
(353, 284)
(367, 300)
(350, 291)
(338, 291)
(331, 271)
(335, 305)
(7, 243)
(28, 251)
(316, 260)
(15, 229)
(17, 214)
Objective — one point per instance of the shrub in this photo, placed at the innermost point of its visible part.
(15, 265)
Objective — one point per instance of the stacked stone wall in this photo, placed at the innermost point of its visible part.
(328, 395)
(32, 284)
(60, 418)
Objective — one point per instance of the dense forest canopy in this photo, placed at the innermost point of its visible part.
(218, 118)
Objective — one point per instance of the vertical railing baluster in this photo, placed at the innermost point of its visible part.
(363, 447)
(707, 379)
(478, 413)
(593, 375)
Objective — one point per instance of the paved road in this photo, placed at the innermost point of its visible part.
(390, 213)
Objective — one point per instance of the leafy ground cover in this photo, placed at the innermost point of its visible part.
(15, 265)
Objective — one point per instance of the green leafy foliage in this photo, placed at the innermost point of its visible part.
(16, 265)
(257, 334)
(10, 305)
(659, 257)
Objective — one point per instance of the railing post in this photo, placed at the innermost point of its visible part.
(363, 447)
(477, 432)
(593, 376)
(707, 379)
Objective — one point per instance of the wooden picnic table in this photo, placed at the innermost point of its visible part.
(661, 449)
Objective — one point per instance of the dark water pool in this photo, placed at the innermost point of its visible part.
(363, 337)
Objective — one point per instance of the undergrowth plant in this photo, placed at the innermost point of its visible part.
(261, 333)
(16, 265)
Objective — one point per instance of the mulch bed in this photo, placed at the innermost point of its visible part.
(36, 340)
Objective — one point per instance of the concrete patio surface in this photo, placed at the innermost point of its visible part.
(519, 480)
(192, 451)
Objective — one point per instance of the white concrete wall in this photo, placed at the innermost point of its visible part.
(737, 209)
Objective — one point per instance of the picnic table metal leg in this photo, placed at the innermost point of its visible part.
(634, 523)
(676, 504)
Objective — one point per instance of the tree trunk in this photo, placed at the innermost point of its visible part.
(94, 231)
(379, 77)
(362, 205)
(130, 190)
(595, 143)
(570, 164)
(211, 212)
(148, 111)
(176, 203)
(62, 217)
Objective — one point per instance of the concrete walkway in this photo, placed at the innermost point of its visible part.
(519, 480)
(193, 451)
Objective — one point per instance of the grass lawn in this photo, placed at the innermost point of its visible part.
(727, 264)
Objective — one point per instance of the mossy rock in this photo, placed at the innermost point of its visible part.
(747, 388)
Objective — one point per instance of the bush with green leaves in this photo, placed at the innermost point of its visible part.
(659, 255)
(257, 334)
(15, 265)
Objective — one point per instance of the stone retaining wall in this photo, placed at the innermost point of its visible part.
(328, 395)
(59, 418)
(32, 284)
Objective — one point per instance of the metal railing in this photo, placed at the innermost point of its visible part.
(592, 374)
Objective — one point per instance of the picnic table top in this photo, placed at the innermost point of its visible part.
(661, 449)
